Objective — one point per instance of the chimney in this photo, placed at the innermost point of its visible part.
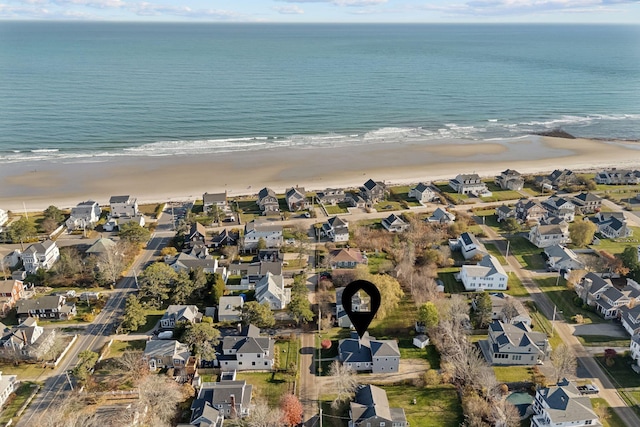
(234, 412)
(24, 337)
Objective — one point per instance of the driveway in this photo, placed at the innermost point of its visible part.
(605, 329)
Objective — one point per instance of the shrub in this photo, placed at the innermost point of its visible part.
(432, 377)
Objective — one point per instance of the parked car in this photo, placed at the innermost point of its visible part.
(588, 389)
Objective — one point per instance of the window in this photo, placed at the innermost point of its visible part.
(253, 363)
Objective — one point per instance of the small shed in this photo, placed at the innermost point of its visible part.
(421, 341)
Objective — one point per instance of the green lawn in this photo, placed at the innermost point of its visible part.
(436, 406)
(451, 286)
(288, 353)
(526, 253)
(611, 419)
(388, 205)
(499, 194)
(119, 347)
(340, 208)
(603, 341)
(451, 195)
(375, 260)
(493, 250)
(15, 401)
(409, 351)
(563, 298)
(516, 288)
(153, 316)
(512, 374)
(24, 371)
(269, 386)
(399, 321)
(542, 324)
(616, 246)
(620, 373)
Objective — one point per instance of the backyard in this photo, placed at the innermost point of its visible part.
(526, 253)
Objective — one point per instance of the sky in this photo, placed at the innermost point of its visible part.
(313, 11)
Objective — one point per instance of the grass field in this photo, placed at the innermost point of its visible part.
(270, 386)
(436, 406)
(15, 401)
(388, 205)
(340, 208)
(119, 347)
(451, 286)
(153, 316)
(450, 194)
(512, 374)
(620, 372)
(603, 341)
(500, 194)
(493, 250)
(516, 288)
(616, 246)
(563, 298)
(611, 419)
(526, 253)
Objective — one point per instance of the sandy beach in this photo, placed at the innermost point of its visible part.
(36, 185)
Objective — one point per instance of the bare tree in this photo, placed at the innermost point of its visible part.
(161, 396)
(505, 414)
(262, 415)
(111, 263)
(132, 365)
(564, 362)
(344, 382)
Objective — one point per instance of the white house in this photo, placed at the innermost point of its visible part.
(423, 193)
(297, 199)
(166, 354)
(510, 180)
(544, 236)
(563, 405)
(270, 289)
(8, 384)
(247, 351)
(40, 255)
(218, 200)
(337, 229)
(394, 224)
(562, 258)
(441, 216)
(254, 231)
(4, 217)
(618, 177)
(630, 319)
(123, 206)
(488, 274)
(469, 184)
(84, 215)
(634, 348)
(612, 224)
(561, 208)
(469, 245)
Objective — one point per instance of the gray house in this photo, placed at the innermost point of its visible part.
(563, 405)
(247, 351)
(85, 214)
(166, 354)
(394, 224)
(370, 408)
(369, 354)
(231, 398)
(268, 201)
(180, 313)
(123, 206)
(514, 344)
(228, 308)
(297, 199)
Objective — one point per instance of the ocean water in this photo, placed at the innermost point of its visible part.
(91, 91)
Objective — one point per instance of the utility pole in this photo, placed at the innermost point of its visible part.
(507, 254)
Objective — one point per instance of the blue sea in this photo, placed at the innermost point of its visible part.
(93, 91)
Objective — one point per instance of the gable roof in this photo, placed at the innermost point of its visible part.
(188, 312)
(209, 198)
(101, 246)
(266, 192)
(371, 184)
(347, 255)
(566, 404)
(122, 199)
(45, 303)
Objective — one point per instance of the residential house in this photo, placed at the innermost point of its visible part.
(370, 408)
(10, 292)
(612, 224)
(488, 274)
(562, 258)
(84, 215)
(161, 354)
(358, 303)
(123, 206)
(530, 211)
(394, 224)
(269, 255)
(197, 234)
(618, 177)
(514, 344)
(40, 256)
(469, 184)
(271, 234)
(229, 398)
(558, 179)
(12, 259)
(336, 229)
(590, 287)
(115, 223)
(229, 308)
(4, 217)
(630, 319)
(469, 245)
(587, 203)
(373, 191)
(561, 208)
(331, 196)
(270, 289)
(101, 246)
(252, 273)
(563, 405)
(27, 341)
(54, 307)
(369, 354)
(543, 236)
(510, 180)
(297, 199)
(247, 351)
(180, 313)
(8, 383)
(611, 300)
(441, 216)
(347, 258)
(634, 349)
(224, 238)
(187, 262)
(355, 200)
(423, 193)
(204, 415)
(219, 200)
(504, 212)
(268, 201)
(507, 309)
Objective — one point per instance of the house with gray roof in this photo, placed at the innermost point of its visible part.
(469, 245)
(296, 199)
(229, 398)
(204, 415)
(373, 191)
(84, 215)
(369, 354)
(271, 290)
(331, 196)
(336, 229)
(587, 203)
(187, 262)
(634, 349)
(612, 224)
(161, 354)
(611, 300)
(40, 256)
(590, 287)
(247, 351)
(487, 275)
(530, 211)
(506, 308)
(8, 383)
(616, 176)
(630, 319)
(123, 206)
(503, 212)
(229, 308)
(563, 405)
(469, 184)
(268, 201)
(510, 180)
(441, 216)
(219, 200)
(560, 207)
(180, 313)
(558, 179)
(254, 230)
(370, 408)
(562, 258)
(50, 307)
(423, 193)
(101, 246)
(224, 238)
(514, 344)
(26, 341)
(251, 273)
(543, 236)
(395, 224)
(359, 302)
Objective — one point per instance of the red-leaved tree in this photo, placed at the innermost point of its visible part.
(292, 410)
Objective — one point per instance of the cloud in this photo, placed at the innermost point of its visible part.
(152, 9)
(522, 7)
(348, 3)
(289, 10)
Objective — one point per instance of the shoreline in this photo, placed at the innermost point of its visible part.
(36, 185)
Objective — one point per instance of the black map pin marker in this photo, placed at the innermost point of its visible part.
(363, 313)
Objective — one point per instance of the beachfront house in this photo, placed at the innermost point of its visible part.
(543, 236)
(370, 408)
(611, 224)
(469, 184)
(4, 217)
(219, 200)
(558, 179)
(369, 354)
(123, 206)
(618, 177)
(84, 215)
(514, 344)
(510, 180)
(40, 256)
(373, 191)
(563, 405)
(336, 229)
(271, 234)
(468, 245)
(296, 199)
(562, 258)
(423, 193)
(488, 275)
(394, 224)
(331, 196)
(268, 201)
